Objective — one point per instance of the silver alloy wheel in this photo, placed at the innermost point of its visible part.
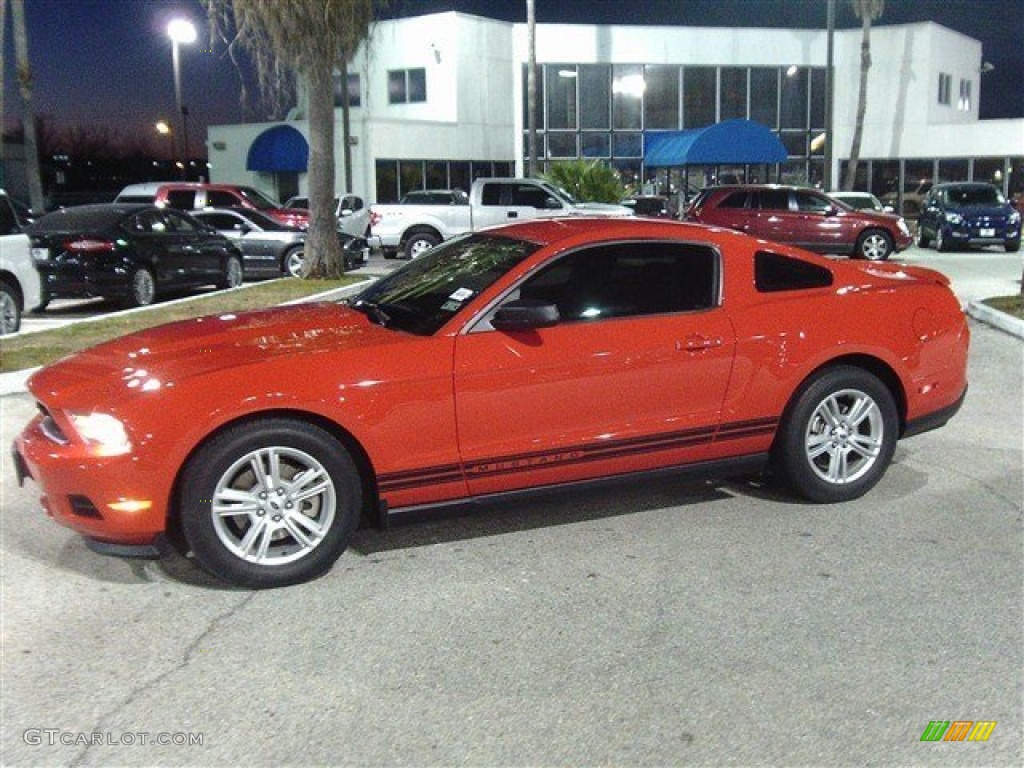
(143, 287)
(293, 261)
(234, 274)
(844, 436)
(940, 239)
(274, 506)
(875, 247)
(10, 318)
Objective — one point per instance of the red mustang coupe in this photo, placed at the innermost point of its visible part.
(526, 356)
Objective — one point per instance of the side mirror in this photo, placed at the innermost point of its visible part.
(831, 211)
(553, 204)
(525, 315)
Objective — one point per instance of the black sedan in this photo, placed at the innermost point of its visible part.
(129, 252)
(269, 247)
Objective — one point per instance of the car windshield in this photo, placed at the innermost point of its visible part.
(974, 196)
(257, 198)
(427, 292)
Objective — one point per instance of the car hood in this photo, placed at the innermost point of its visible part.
(980, 210)
(170, 354)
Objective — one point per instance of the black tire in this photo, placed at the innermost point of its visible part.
(941, 244)
(419, 242)
(921, 240)
(293, 260)
(143, 288)
(10, 310)
(233, 274)
(262, 545)
(1012, 246)
(840, 461)
(874, 245)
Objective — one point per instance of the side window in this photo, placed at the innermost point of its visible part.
(811, 203)
(774, 199)
(182, 199)
(221, 221)
(528, 195)
(215, 198)
(8, 224)
(773, 273)
(626, 280)
(734, 200)
(177, 223)
(491, 194)
(352, 203)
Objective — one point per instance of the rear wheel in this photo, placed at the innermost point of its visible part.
(143, 287)
(837, 436)
(270, 503)
(10, 310)
(420, 242)
(921, 240)
(1012, 246)
(874, 245)
(293, 260)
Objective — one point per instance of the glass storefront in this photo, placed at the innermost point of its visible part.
(396, 177)
(605, 111)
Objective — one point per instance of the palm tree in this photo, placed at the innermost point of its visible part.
(867, 11)
(28, 120)
(310, 38)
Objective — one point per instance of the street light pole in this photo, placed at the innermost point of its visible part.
(181, 31)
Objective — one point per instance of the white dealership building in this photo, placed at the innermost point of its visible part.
(438, 100)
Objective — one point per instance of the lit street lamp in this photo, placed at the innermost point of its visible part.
(181, 32)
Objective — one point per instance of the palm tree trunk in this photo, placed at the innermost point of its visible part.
(35, 182)
(323, 253)
(862, 100)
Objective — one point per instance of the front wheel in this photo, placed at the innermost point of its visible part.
(270, 503)
(921, 240)
(143, 288)
(233, 274)
(874, 245)
(837, 436)
(941, 244)
(10, 310)
(1012, 246)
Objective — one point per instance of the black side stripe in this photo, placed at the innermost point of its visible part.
(635, 446)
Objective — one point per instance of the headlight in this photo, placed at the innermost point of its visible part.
(101, 432)
(954, 218)
(902, 224)
(1014, 218)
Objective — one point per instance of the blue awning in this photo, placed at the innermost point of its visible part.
(732, 142)
(280, 149)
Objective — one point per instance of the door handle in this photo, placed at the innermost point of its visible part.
(696, 342)
(512, 214)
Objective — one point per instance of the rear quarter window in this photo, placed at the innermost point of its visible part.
(774, 272)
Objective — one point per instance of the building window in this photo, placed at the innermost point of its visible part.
(699, 96)
(354, 99)
(732, 100)
(407, 86)
(661, 97)
(965, 96)
(945, 86)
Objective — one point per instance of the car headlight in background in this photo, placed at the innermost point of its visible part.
(954, 218)
(902, 224)
(103, 433)
(1014, 218)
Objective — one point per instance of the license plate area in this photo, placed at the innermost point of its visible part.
(986, 232)
(41, 254)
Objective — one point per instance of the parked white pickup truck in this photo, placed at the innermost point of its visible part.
(410, 229)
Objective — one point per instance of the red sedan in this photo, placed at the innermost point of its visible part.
(526, 356)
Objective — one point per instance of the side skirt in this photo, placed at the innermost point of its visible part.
(704, 470)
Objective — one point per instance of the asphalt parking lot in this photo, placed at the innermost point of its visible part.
(659, 624)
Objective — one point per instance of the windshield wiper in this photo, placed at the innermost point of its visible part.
(372, 311)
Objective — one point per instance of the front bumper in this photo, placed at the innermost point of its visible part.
(103, 498)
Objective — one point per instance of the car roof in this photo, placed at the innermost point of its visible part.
(546, 232)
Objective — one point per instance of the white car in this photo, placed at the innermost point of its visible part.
(353, 215)
(861, 201)
(20, 288)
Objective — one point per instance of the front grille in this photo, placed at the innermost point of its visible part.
(50, 427)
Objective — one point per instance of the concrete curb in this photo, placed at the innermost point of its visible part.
(1004, 322)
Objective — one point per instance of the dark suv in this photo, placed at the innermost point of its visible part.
(802, 217)
(961, 213)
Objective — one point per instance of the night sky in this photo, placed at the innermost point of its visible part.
(108, 62)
